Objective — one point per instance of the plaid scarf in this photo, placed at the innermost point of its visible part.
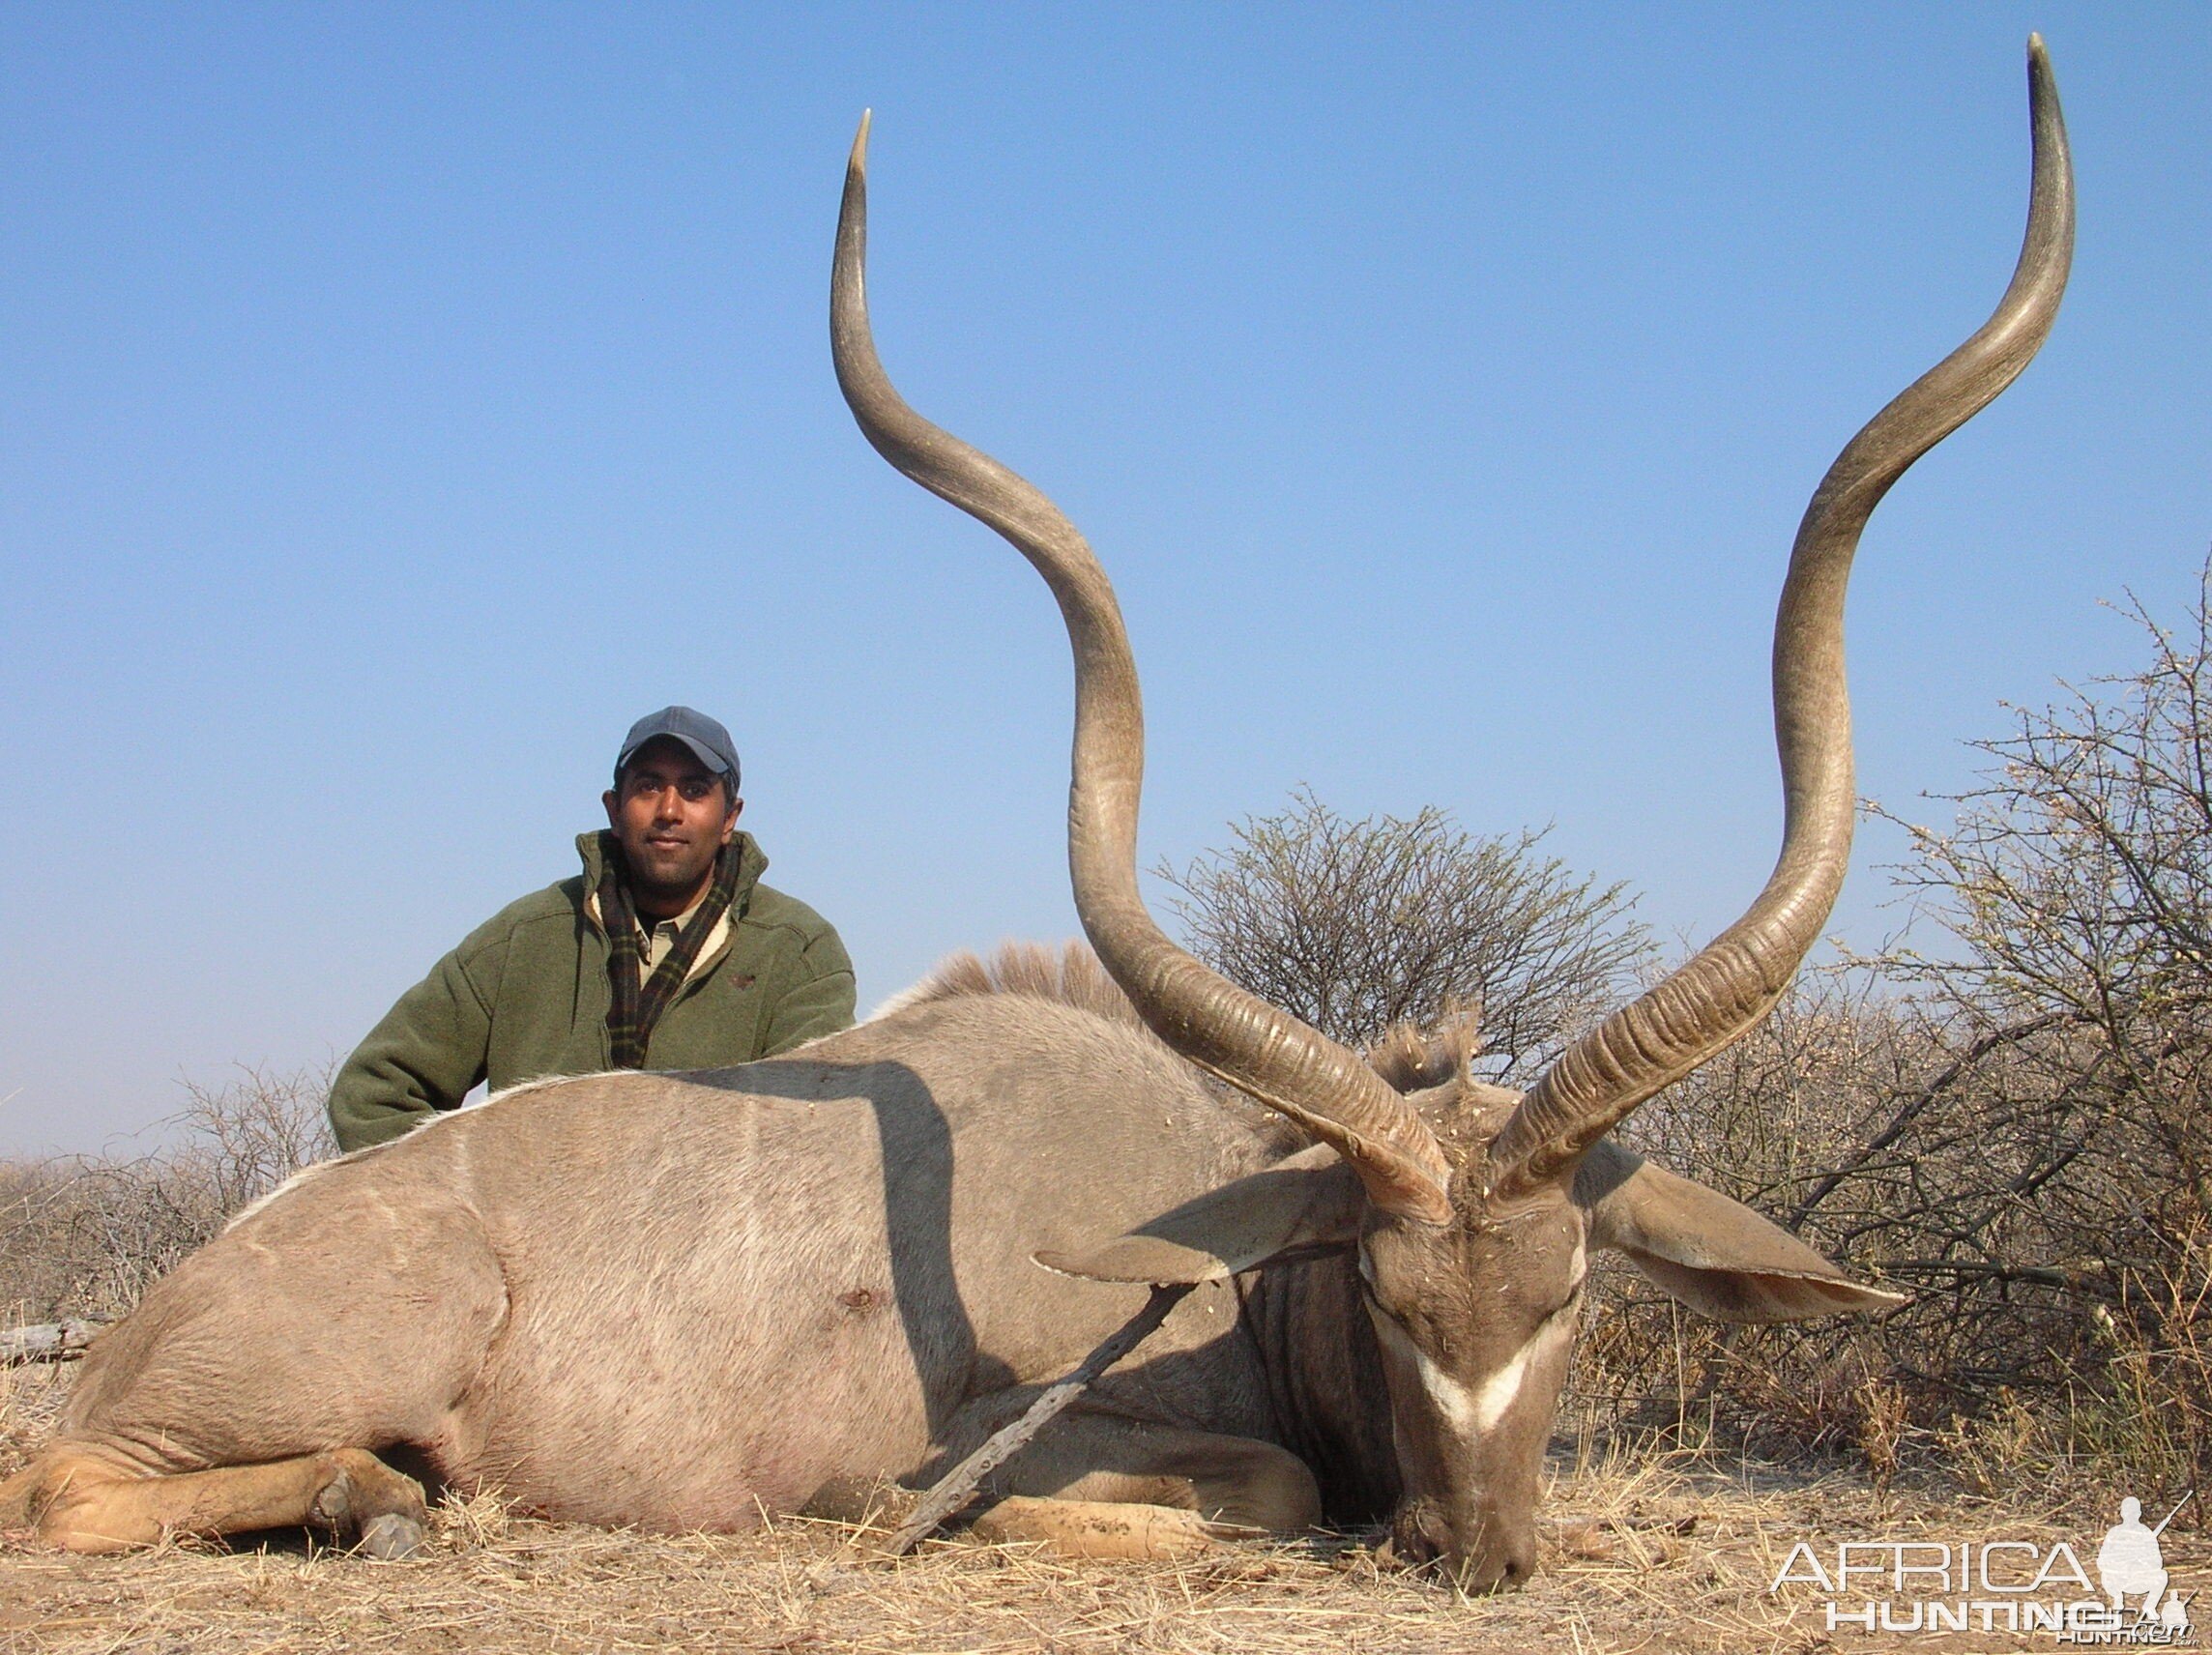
(635, 1006)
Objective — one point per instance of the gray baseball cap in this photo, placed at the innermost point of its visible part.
(708, 741)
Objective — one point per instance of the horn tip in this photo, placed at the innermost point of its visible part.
(2042, 89)
(859, 161)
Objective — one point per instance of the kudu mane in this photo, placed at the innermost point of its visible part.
(1407, 1057)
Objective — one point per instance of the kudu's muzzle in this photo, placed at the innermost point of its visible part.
(1477, 1548)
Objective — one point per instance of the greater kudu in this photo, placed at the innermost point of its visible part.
(681, 1301)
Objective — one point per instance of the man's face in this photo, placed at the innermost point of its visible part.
(670, 814)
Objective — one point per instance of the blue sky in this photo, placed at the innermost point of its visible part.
(396, 401)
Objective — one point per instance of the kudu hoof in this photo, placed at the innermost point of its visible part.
(391, 1538)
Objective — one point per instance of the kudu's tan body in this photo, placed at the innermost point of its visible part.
(681, 1301)
(674, 1301)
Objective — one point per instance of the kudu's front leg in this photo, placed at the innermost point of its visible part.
(79, 1501)
(1099, 1485)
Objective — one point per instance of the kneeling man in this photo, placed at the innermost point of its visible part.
(666, 953)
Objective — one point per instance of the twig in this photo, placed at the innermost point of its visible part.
(958, 1486)
(1921, 1099)
(46, 1341)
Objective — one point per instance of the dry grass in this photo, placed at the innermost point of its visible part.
(1675, 1553)
(82, 1236)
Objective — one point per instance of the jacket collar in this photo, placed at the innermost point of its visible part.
(594, 848)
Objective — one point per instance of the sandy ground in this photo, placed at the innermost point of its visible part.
(1673, 1555)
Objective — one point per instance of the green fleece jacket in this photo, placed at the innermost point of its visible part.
(526, 994)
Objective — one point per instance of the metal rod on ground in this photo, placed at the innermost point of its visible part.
(957, 1487)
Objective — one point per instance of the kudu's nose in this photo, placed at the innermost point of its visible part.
(1419, 1534)
(1486, 1567)
(1477, 1554)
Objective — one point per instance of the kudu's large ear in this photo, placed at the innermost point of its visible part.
(1311, 1203)
(1715, 1255)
